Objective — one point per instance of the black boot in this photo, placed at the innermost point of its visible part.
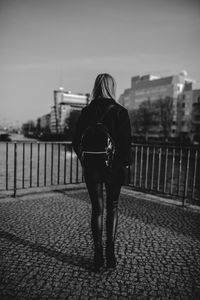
(110, 255)
(98, 257)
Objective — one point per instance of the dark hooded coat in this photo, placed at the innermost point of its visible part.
(118, 124)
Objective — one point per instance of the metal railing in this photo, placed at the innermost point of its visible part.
(171, 171)
(37, 164)
(168, 170)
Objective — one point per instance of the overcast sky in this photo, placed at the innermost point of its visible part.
(48, 43)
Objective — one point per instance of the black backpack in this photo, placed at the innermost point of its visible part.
(97, 145)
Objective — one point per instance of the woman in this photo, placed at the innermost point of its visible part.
(117, 121)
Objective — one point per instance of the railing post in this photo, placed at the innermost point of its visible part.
(147, 168)
(6, 166)
(58, 170)
(38, 164)
(23, 165)
(31, 163)
(135, 166)
(52, 163)
(153, 165)
(172, 173)
(129, 175)
(194, 174)
(77, 169)
(65, 163)
(180, 171)
(71, 163)
(165, 174)
(45, 164)
(186, 178)
(159, 167)
(141, 165)
(15, 169)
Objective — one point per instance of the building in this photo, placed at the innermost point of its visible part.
(184, 112)
(189, 114)
(195, 126)
(29, 129)
(43, 123)
(149, 87)
(152, 88)
(64, 103)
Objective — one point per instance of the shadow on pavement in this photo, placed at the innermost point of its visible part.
(75, 260)
(174, 218)
(168, 216)
(34, 191)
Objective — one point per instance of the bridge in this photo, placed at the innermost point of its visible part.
(46, 243)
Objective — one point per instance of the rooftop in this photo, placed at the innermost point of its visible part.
(141, 84)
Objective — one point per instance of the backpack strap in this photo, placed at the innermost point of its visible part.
(105, 113)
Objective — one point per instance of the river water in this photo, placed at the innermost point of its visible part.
(38, 164)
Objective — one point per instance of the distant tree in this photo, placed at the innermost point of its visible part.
(29, 128)
(135, 126)
(156, 116)
(145, 118)
(71, 122)
(166, 115)
(38, 126)
(142, 119)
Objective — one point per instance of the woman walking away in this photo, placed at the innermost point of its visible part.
(102, 142)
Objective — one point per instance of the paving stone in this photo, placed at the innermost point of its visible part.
(46, 250)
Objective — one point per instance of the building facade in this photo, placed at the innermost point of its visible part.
(152, 88)
(184, 112)
(195, 126)
(64, 104)
(43, 123)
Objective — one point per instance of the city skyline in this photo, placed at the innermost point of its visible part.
(46, 44)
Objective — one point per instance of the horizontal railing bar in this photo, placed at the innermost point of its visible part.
(37, 142)
(159, 169)
(133, 144)
(166, 145)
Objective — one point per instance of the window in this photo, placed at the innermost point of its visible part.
(183, 104)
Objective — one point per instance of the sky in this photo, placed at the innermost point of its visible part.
(45, 44)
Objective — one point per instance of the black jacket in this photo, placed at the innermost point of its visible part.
(117, 122)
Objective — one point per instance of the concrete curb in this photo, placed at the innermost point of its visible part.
(52, 190)
(158, 199)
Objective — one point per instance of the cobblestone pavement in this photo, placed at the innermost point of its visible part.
(46, 250)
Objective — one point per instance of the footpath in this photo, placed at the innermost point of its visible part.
(46, 249)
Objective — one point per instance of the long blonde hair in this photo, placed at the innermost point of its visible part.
(104, 87)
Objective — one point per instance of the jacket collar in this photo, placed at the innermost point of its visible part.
(103, 101)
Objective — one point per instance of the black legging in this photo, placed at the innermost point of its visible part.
(96, 195)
